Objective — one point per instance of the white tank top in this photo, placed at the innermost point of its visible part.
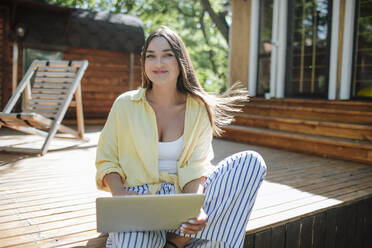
(169, 153)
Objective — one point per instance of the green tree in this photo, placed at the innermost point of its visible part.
(202, 24)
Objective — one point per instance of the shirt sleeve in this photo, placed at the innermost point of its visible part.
(107, 157)
(199, 163)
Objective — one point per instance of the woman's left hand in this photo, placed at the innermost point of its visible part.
(195, 225)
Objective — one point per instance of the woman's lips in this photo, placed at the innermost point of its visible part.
(159, 72)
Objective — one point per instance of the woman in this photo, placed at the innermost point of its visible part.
(158, 140)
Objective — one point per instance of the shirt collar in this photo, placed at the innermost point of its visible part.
(139, 95)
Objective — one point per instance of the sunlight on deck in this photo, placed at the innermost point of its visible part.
(265, 212)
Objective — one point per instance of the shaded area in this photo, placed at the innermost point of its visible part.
(55, 26)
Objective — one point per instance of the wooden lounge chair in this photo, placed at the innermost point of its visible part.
(48, 88)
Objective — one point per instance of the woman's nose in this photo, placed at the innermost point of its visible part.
(159, 60)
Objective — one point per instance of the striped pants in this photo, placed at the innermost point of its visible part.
(230, 193)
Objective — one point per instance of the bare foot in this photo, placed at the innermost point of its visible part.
(179, 241)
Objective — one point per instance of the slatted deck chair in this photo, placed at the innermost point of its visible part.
(48, 87)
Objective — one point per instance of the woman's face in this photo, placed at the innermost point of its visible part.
(161, 65)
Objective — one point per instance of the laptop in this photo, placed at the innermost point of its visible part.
(146, 212)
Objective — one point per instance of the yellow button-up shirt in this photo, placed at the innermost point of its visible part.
(128, 144)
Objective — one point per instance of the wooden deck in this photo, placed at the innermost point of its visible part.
(49, 201)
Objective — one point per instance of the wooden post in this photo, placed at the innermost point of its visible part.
(239, 43)
(79, 112)
(340, 47)
(131, 71)
(15, 67)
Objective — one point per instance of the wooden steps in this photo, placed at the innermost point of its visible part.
(343, 105)
(322, 128)
(308, 113)
(337, 129)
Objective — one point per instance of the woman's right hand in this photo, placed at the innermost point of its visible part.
(114, 182)
(123, 191)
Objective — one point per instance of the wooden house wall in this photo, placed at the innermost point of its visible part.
(106, 77)
(3, 53)
(6, 60)
(2, 50)
(8, 72)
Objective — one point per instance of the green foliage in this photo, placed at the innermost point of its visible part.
(208, 50)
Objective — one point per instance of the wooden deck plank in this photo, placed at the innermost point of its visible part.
(277, 237)
(310, 186)
(330, 228)
(47, 212)
(263, 239)
(305, 184)
(46, 226)
(270, 205)
(46, 219)
(319, 230)
(305, 199)
(90, 239)
(35, 198)
(329, 185)
(293, 235)
(45, 236)
(22, 194)
(53, 202)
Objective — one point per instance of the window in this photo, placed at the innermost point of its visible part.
(309, 23)
(362, 67)
(265, 46)
(30, 55)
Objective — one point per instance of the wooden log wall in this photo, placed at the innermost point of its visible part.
(106, 77)
(344, 226)
(6, 59)
(3, 54)
(8, 71)
(2, 50)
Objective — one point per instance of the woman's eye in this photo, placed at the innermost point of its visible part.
(149, 56)
(169, 55)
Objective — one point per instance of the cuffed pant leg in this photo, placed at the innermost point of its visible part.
(230, 195)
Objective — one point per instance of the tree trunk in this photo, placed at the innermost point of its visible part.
(219, 20)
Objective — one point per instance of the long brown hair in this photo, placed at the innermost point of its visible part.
(220, 108)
